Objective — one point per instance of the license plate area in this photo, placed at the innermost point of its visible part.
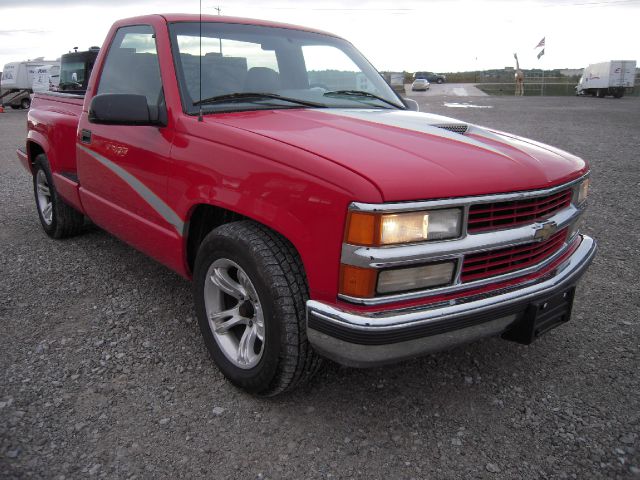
(542, 316)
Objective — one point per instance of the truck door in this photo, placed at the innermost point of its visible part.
(122, 170)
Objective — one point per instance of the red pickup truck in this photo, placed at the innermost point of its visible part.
(316, 211)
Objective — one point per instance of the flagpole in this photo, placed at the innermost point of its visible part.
(541, 43)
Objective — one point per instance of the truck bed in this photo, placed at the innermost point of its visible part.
(61, 97)
(59, 111)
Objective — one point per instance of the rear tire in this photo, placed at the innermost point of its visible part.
(25, 104)
(601, 93)
(439, 81)
(250, 294)
(58, 219)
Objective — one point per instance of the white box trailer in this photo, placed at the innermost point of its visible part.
(607, 78)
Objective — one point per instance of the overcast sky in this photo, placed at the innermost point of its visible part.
(410, 35)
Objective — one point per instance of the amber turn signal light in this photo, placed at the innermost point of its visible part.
(362, 229)
(357, 281)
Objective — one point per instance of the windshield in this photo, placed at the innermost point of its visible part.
(318, 70)
(72, 75)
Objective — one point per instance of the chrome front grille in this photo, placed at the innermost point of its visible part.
(509, 214)
(511, 259)
(507, 236)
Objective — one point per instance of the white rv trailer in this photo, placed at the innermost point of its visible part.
(17, 79)
(47, 78)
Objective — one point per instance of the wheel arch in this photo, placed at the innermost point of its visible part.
(204, 217)
(37, 143)
(33, 150)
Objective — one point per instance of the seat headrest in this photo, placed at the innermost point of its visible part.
(262, 79)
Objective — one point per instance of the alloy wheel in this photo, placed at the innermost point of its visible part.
(234, 313)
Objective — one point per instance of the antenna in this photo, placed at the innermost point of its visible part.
(200, 68)
(220, 39)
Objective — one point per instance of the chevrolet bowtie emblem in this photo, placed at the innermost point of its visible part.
(545, 230)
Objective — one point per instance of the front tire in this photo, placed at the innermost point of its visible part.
(250, 294)
(58, 219)
(25, 103)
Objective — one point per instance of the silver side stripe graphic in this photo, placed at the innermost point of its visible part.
(481, 132)
(414, 121)
(141, 189)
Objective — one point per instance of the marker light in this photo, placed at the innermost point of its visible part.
(357, 281)
(583, 191)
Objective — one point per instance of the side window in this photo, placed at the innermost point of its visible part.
(132, 65)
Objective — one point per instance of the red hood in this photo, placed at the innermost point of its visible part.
(409, 156)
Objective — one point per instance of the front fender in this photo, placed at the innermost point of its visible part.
(307, 209)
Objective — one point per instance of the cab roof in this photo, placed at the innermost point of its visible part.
(186, 17)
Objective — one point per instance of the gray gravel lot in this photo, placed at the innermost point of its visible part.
(103, 373)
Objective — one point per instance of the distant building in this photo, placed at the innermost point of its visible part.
(571, 72)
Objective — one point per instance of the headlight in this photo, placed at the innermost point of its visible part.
(394, 228)
(582, 192)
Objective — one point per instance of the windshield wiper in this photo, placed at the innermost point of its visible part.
(361, 93)
(233, 97)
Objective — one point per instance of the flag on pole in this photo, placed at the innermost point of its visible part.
(541, 53)
(540, 43)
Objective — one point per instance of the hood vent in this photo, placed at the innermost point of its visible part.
(460, 128)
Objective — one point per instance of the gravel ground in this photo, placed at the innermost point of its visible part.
(103, 373)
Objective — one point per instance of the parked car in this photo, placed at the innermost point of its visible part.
(420, 84)
(432, 77)
(314, 220)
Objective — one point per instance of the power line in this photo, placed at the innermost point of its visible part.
(346, 9)
(611, 3)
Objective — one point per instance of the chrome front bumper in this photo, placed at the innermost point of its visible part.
(386, 336)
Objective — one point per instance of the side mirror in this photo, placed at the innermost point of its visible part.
(411, 104)
(121, 109)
